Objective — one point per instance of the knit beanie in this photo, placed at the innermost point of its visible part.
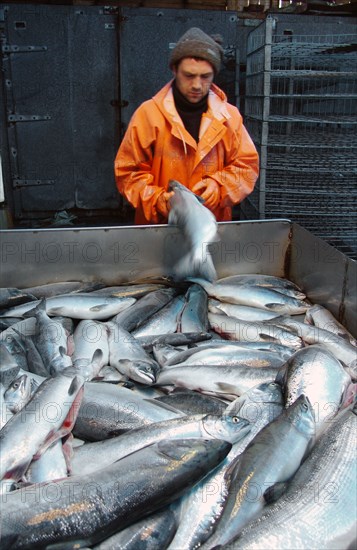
(196, 43)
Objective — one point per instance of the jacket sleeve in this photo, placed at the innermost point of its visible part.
(241, 167)
(133, 166)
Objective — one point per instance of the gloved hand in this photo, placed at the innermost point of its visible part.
(209, 191)
(162, 203)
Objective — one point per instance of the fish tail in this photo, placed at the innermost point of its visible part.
(39, 308)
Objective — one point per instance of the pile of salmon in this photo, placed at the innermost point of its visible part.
(178, 415)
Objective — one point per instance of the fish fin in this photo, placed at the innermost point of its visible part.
(280, 377)
(273, 306)
(267, 338)
(97, 308)
(75, 386)
(97, 356)
(67, 425)
(227, 388)
(273, 493)
(164, 406)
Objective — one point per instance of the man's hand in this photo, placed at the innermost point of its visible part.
(209, 191)
(163, 204)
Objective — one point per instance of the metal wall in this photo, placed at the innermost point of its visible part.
(115, 255)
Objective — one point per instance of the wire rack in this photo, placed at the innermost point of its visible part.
(300, 109)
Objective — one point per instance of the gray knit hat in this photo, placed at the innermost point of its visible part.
(196, 43)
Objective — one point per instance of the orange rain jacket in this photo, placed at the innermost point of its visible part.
(156, 148)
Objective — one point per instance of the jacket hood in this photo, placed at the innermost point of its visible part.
(217, 103)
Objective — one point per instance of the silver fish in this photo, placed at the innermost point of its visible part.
(90, 508)
(226, 356)
(340, 347)
(9, 367)
(13, 296)
(139, 312)
(133, 290)
(149, 533)
(5, 414)
(246, 313)
(165, 320)
(198, 227)
(91, 347)
(253, 331)
(50, 465)
(51, 341)
(87, 305)
(316, 373)
(39, 423)
(202, 506)
(62, 287)
(269, 281)
(107, 410)
(256, 296)
(79, 305)
(173, 339)
(321, 317)
(319, 508)
(222, 381)
(128, 356)
(91, 456)
(194, 316)
(192, 402)
(273, 456)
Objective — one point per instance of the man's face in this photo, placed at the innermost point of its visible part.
(194, 78)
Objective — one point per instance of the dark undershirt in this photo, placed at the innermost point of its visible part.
(190, 113)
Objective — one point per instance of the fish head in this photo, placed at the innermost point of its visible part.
(250, 405)
(230, 428)
(301, 415)
(18, 393)
(145, 372)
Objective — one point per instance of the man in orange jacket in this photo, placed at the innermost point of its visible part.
(187, 132)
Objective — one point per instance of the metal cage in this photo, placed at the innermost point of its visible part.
(300, 109)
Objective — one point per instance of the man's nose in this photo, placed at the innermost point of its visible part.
(197, 83)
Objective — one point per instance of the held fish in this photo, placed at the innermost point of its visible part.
(198, 227)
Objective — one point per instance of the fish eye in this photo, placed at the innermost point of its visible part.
(235, 419)
(305, 407)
